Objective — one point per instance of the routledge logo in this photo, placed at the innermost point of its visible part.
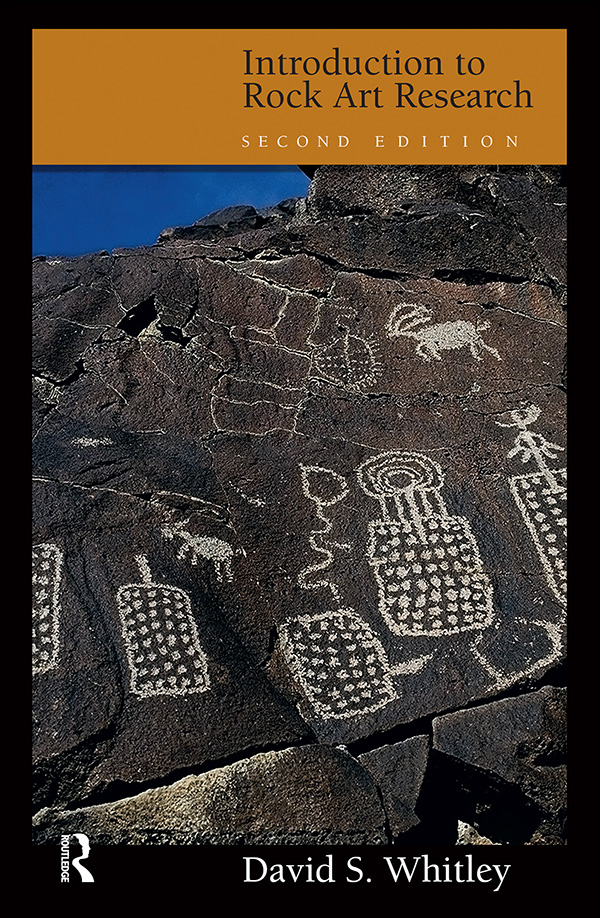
(66, 860)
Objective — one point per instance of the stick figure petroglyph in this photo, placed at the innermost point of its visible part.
(541, 497)
(432, 338)
(161, 638)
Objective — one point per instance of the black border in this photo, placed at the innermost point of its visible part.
(541, 878)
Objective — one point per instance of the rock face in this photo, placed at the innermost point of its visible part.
(299, 483)
(517, 742)
(398, 771)
(307, 795)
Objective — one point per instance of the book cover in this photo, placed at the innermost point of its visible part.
(299, 468)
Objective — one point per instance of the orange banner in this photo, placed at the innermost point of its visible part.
(284, 96)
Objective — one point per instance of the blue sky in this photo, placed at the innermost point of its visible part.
(83, 209)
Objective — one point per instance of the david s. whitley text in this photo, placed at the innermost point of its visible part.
(417, 869)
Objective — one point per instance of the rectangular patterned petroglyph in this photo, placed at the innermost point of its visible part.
(161, 639)
(46, 575)
(541, 497)
(426, 562)
(339, 662)
(543, 505)
(430, 579)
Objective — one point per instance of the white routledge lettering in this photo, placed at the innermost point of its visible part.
(66, 860)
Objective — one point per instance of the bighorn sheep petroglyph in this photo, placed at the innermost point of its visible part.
(433, 338)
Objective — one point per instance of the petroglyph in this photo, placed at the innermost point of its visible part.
(541, 498)
(255, 407)
(92, 441)
(273, 398)
(222, 388)
(161, 638)
(46, 563)
(253, 417)
(339, 662)
(554, 634)
(426, 562)
(325, 488)
(433, 338)
(349, 360)
(198, 548)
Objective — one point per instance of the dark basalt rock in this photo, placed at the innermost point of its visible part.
(309, 795)
(518, 741)
(228, 220)
(398, 771)
(299, 480)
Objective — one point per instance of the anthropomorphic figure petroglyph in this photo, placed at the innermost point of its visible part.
(541, 497)
(426, 562)
(412, 321)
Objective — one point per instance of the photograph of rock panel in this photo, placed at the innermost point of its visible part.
(299, 520)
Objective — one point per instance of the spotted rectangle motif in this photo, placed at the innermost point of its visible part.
(46, 568)
(542, 501)
(339, 662)
(161, 639)
(430, 577)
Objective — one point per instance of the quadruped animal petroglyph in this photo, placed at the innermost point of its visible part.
(281, 537)
(197, 548)
(414, 321)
